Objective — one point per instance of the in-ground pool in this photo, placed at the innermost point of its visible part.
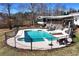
(41, 40)
(37, 36)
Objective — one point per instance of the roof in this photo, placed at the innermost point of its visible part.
(59, 17)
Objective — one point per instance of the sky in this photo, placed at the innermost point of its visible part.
(67, 6)
(72, 5)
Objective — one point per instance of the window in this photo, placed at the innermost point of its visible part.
(44, 20)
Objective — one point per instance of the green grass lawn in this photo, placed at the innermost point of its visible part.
(71, 50)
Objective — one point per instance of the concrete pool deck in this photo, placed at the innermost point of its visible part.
(36, 45)
(43, 45)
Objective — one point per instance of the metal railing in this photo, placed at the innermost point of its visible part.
(10, 34)
(13, 33)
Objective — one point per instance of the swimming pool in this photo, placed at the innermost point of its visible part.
(41, 40)
(38, 36)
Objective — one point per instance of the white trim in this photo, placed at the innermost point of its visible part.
(59, 17)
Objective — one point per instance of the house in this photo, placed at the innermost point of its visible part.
(59, 21)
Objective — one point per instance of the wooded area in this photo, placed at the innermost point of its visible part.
(27, 13)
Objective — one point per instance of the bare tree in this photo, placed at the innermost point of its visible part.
(72, 10)
(9, 15)
(21, 10)
(7, 9)
(59, 9)
(43, 9)
(50, 10)
(33, 11)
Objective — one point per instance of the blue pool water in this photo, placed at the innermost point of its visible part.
(37, 36)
